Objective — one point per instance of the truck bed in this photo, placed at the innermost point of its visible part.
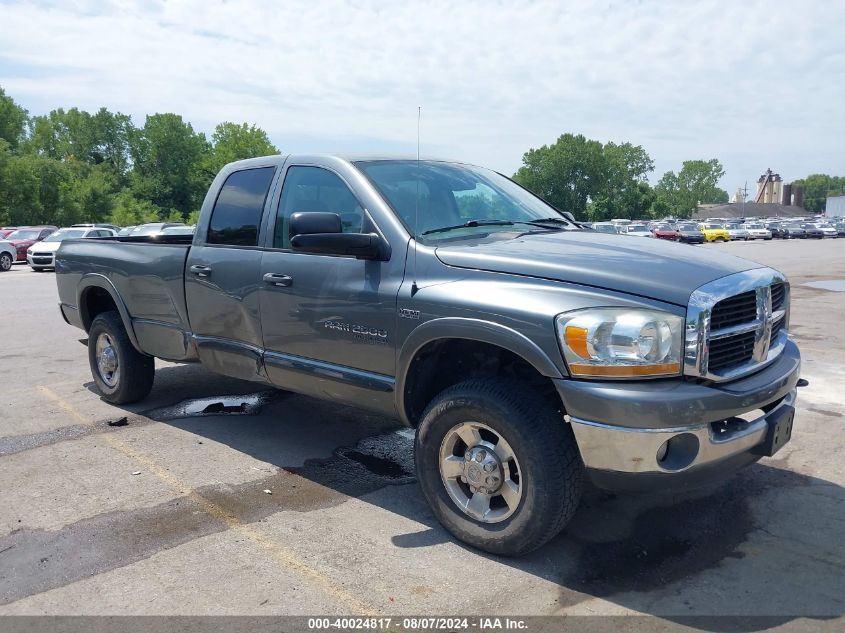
(146, 274)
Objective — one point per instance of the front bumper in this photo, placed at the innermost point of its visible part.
(620, 427)
(41, 260)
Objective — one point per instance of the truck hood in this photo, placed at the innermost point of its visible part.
(656, 269)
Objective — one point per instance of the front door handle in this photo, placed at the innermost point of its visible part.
(278, 279)
(201, 271)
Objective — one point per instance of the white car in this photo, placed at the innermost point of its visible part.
(8, 255)
(42, 254)
(828, 230)
(640, 230)
(737, 232)
(605, 227)
(757, 232)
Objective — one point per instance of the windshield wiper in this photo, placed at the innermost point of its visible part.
(469, 223)
(544, 222)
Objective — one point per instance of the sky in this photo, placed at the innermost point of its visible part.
(757, 84)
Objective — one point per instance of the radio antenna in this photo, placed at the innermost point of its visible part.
(414, 286)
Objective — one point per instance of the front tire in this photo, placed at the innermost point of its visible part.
(498, 465)
(5, 262)
(122, 373)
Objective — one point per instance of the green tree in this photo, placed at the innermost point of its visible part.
(231, 142)
(127, 210)
(817, 187)
(695, 184)
(167, 156)
(565, 174)
(13, 120)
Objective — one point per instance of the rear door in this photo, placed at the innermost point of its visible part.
(222, 277)
(329, 322)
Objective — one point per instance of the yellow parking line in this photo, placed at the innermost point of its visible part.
(281, 554)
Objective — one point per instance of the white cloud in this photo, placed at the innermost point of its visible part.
(756, 84)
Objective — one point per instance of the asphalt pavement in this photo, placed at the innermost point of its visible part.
(216, 496)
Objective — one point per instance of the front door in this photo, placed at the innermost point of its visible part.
(328, 322)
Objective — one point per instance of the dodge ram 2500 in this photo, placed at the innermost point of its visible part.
(528, 354)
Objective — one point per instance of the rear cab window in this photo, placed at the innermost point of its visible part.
(236, 216)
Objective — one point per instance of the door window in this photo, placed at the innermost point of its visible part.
(237, 212)
(315, 189)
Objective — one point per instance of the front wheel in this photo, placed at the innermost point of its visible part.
(5, 262)
(122, 373)
(498, 465)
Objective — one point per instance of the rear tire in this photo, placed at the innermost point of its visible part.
(122, 373)
(544, 476)
(5, 262)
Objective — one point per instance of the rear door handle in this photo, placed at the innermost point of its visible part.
(201, 271)
(278, 279)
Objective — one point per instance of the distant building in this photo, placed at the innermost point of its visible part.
(835, 207)
(769, 188)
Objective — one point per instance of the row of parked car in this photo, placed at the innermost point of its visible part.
(720, 230)
(37, 245)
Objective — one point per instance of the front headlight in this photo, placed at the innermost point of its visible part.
(621, 342)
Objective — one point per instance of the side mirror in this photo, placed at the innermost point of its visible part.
(569, 216)
(322, 233)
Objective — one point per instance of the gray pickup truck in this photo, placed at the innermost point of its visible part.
(529, 354)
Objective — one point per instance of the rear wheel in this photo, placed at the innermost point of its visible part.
(5, 262)
(122, 373)
(498, 465)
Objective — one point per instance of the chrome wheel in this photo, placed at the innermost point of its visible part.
(480, 472)
(107, 364)
(5, 261)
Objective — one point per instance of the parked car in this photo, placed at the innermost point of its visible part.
(333, 305)
(737, 231)
(605, 227)
(178, 230)
(8, 255)
(793, 230)
(152, 228)
(25, 237)
(827, 229)
(42, 255)
(714, 232)
(840, 229)
(689, 233)
(666, 232)
(638, 230)
(126, 231)
(98, 225)
(757, 231)
(813, 231)
(6, 230)
(777, 230)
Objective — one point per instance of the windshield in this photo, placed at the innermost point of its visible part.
(687, 227)
(449, 200)
(23, 235)
(734, 227)
(64, 234)
(637, 228)
(712, 226)
(754, 226)
(604, 228)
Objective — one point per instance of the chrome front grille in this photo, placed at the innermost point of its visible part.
(736, 324)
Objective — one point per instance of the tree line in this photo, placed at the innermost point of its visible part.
(73, 166)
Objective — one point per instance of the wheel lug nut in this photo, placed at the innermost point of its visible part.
(492, 480)
(473, 489)
(480, 456)
(488, 467)
(468, 455)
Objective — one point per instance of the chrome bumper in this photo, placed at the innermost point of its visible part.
(626, 450)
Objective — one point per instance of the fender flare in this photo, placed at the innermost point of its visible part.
(97, 280)
(474, 330)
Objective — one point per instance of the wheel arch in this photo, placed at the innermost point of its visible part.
(97, 294)
(463, 334)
